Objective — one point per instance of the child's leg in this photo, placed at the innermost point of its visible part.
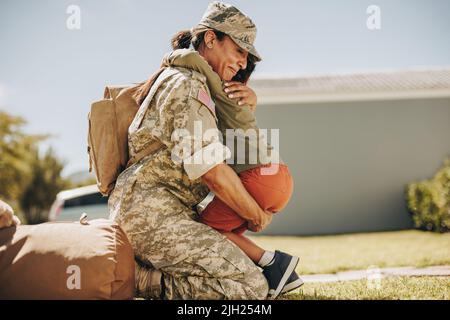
(253, 251)
(278, 267)
(221, 217)
(271, 192)
(257, 254)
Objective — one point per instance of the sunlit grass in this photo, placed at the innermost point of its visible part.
(392, 288)
(331, 254)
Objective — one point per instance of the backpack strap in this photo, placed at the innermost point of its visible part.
(161, 75)
(150, 149)
(165, 74)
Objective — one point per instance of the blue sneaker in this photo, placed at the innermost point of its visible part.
(293, 283)
(279, 271)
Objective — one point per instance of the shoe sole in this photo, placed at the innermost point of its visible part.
(292, 286)
(291, 267)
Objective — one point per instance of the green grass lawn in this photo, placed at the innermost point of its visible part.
(331, 254)
(392, 288)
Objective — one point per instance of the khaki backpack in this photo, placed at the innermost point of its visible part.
(109, 121)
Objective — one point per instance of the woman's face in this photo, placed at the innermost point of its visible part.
(225, 57)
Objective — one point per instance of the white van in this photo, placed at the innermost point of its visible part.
(71, 204)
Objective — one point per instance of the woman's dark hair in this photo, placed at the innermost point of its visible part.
(244, 74)
(182, 40)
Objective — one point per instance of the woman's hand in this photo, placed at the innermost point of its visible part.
(265, 220)
(242, 93)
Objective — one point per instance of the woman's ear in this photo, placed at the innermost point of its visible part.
(209, 38)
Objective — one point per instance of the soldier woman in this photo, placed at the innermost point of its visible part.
(154, 199)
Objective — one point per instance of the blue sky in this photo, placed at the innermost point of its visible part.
(50, 74)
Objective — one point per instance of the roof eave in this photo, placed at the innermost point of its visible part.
(268, 98)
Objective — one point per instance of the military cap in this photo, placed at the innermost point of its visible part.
(229, 20)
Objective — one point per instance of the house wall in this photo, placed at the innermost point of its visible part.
(351, 161)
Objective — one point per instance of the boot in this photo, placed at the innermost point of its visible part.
(148, 282)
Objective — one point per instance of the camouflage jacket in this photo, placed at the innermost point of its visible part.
(181, 116)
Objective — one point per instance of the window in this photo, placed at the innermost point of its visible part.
(86, 200)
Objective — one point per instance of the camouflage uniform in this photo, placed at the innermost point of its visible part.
(153, 200)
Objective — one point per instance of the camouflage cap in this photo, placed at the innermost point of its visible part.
(229, 20)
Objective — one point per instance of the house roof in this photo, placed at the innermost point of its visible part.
(382, 85)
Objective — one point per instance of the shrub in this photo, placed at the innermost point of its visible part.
(429, 201)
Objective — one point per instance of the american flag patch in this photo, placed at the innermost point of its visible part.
(204, 98)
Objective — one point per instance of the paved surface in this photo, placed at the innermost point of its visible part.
(377, 273)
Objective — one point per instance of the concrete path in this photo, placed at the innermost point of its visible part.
(377, 273)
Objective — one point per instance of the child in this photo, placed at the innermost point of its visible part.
(271, 189)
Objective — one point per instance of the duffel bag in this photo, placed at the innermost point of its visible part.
(66, 260)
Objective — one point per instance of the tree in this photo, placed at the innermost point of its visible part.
(44, 185)
(27, 181)
(15, 148)
(429, 201)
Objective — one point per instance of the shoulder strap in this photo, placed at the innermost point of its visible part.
(165, 74)
(150, 149)
(160, 76)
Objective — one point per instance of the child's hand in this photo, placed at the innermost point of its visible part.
(242, 93)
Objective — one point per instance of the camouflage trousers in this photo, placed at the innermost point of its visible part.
(196, 261)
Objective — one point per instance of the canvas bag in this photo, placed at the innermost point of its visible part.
(109, 121)
(66, 260)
